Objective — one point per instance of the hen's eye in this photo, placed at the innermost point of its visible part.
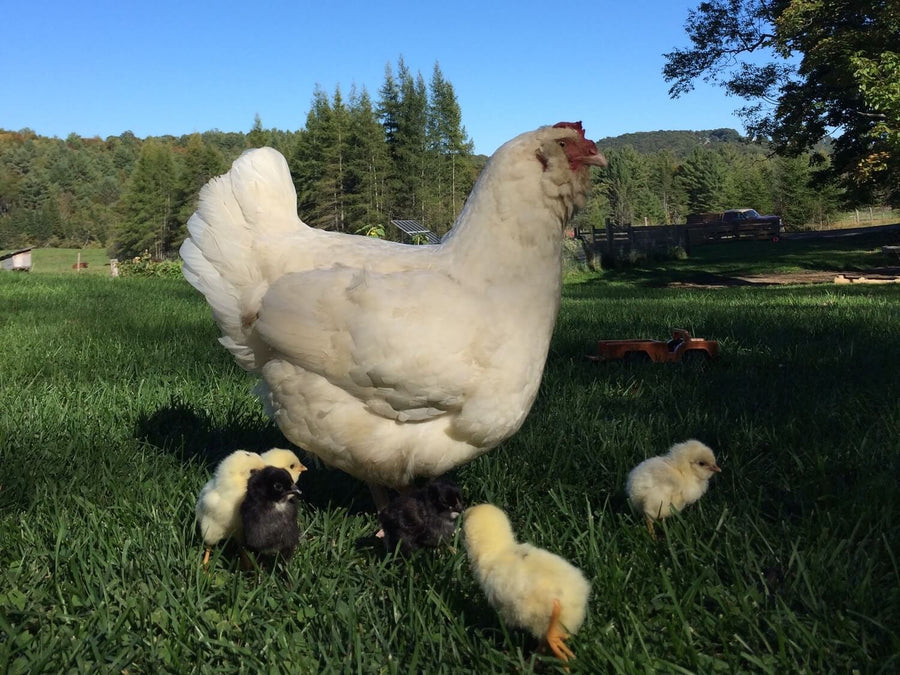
(562, 144)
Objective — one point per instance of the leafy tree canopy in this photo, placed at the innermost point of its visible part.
(807, 68)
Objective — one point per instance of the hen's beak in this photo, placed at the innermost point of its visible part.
(592, 156)
(595, 159)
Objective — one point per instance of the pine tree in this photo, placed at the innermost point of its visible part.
(801, 196)
(319, 163)
(258, 137)
(626, 184)
(409, 151)
(199, 164)
(703, 175)
(366, 166)
(450, 173)
(665, 187)
(148, 213)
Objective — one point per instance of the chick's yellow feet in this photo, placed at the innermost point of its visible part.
(556, 635)
(206, 558)
(650, 528)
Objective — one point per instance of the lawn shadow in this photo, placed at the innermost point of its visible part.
(663, 277)
(181, 429)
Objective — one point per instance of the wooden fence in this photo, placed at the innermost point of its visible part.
(616, 241)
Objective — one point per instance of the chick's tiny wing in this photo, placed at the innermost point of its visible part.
(410, 345)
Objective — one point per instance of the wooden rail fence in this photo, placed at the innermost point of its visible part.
(617, 241)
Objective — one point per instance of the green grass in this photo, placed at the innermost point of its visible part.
(61, 261)
(721, 262)
(116, 401)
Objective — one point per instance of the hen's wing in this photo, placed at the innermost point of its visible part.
(410, 345)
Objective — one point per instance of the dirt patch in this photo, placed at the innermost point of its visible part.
(878, 275)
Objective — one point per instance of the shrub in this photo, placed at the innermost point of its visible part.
(144, 266)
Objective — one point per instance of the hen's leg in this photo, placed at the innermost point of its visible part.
(380, 495)
(556, 635)
(247, 563)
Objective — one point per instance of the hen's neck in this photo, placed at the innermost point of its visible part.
(509, 232)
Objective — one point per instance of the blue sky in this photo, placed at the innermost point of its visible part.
(100, 68)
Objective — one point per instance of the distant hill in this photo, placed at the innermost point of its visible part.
(680, 143)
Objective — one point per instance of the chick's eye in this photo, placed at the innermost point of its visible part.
(702, 463)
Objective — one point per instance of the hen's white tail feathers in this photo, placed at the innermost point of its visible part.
(239, 213)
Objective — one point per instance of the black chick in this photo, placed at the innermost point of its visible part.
(422, 518)
(269, 513)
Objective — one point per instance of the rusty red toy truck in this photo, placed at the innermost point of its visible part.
(682, 347)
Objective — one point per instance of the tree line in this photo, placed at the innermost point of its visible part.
(357, 163)
(807, 68)
(682, 172)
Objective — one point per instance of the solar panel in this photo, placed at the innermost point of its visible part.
(415, 230)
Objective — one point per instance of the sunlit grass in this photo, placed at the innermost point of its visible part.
(65, 261)
(725, 261)
(116, 400)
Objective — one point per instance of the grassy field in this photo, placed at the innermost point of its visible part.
(877, 215)
(720, 262)
(116, 401)
(62, 261)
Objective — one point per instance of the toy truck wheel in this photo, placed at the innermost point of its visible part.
(695, 357)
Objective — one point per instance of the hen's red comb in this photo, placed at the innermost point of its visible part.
(570, 125)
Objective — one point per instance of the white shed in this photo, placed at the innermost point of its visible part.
(16, 260)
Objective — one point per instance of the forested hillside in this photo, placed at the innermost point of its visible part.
(659, 177)
(358, 162)
(679, 143)
(356, 165)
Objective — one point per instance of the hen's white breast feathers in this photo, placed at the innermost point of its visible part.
(410, 364)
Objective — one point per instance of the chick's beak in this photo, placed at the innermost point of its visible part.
(715, 468)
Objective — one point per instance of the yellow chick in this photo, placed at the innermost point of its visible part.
(674, 480)
(284, 459)
(529, 587)
(218, 506)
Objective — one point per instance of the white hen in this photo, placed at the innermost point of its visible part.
(385, 360)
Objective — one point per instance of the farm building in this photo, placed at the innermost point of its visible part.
(16, 260)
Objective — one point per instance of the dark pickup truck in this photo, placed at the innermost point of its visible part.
(732, 216)
(731, 225)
